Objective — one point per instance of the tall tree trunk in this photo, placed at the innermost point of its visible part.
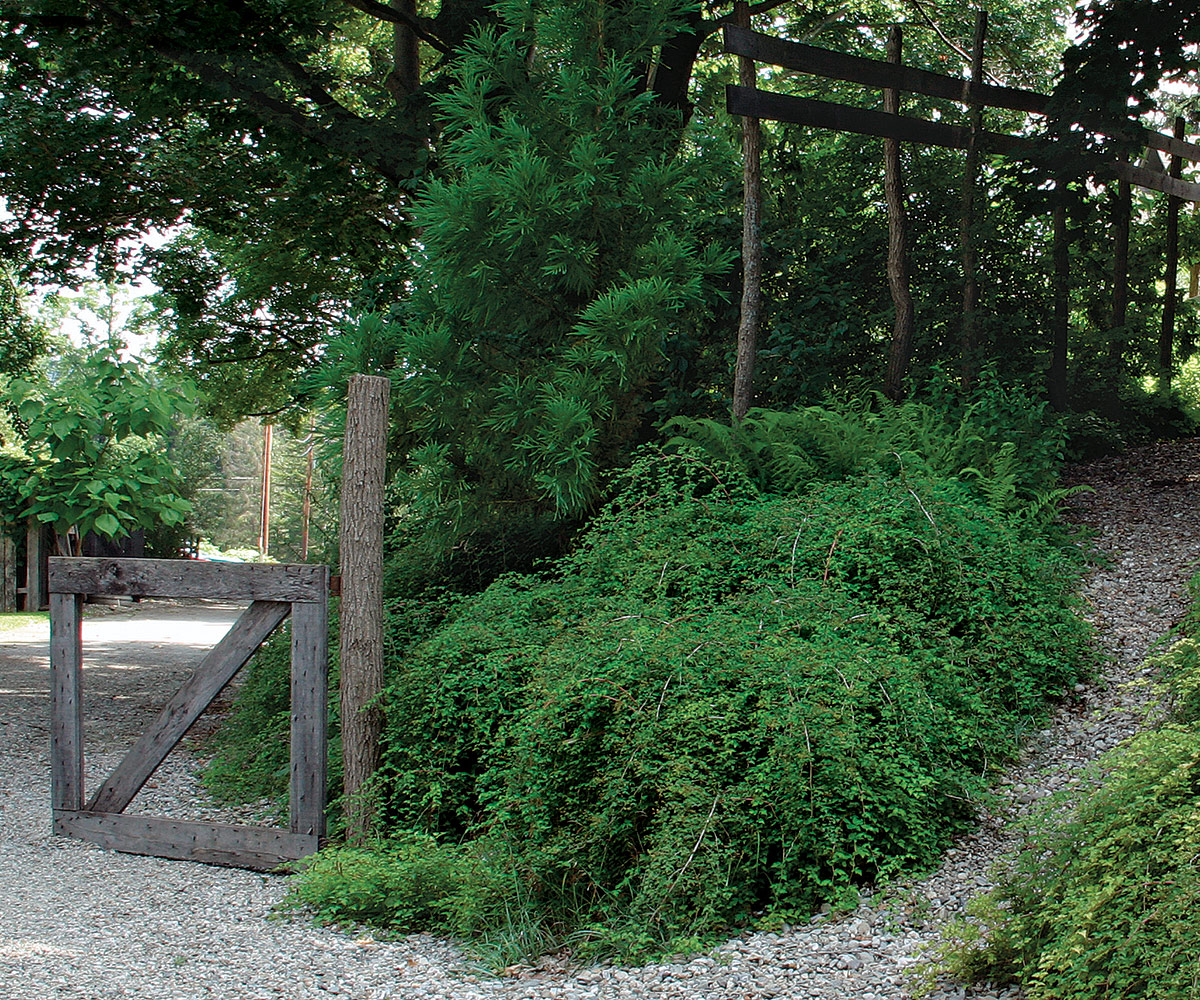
(406, 65)
(1166, 339)
(897, 267)
(1057, 384)
(970, 334)
(747, 343)
(1122, 211)
(364, 459)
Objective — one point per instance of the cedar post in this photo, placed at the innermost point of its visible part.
(747, 342)
(1166, 340)
(897, 267)
(970, 335)
(363, 463)
(1057, 384)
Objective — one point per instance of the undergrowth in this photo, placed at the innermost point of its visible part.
(1102, 899)
(723, 706)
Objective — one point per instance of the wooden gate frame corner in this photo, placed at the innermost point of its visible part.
(275, 592)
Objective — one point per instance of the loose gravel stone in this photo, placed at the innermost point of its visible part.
(82, 923)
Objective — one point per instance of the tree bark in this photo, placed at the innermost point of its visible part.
(1166, 339)
(1122, 211)
(747, 342)
(363, 463)
(406, 67)
(970, 255)
(897, 267)
(1057, 384)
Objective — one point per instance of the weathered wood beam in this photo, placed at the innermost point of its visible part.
(261, 848)
(1154, 181)
(874, 73)
(66, 683)
(861, 121)
(187, 578)
(215, 671)
(310, 697)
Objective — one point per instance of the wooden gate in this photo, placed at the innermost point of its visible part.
(275, 591)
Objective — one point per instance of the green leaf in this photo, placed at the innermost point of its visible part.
(106, 524)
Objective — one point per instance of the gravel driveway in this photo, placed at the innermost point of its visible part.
(80, 922)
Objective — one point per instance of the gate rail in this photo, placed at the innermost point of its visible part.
(275, 592)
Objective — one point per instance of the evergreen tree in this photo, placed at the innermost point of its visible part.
(555, 261)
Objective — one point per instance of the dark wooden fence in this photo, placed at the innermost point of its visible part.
(275, 592)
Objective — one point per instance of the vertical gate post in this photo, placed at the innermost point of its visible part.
(1057, 384)
(970, 254)
(1166, 340)
(748, 322)
(66, 660)
(900, 353)
(363, 464)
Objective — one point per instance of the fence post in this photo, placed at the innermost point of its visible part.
(364, 458)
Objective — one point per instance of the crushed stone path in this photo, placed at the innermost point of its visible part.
(83, 923)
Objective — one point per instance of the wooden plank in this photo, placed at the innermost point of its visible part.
(873, 73)
(822, 114)
(1152, 179)
(66, 662)
(310, 709)
(261, 848)
(860, 121)
(188, 578)
(215, 671)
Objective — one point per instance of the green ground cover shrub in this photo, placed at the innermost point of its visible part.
(1102, 899)
(722, 703)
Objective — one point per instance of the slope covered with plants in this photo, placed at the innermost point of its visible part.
(727, 703)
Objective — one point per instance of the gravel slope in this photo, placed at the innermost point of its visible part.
(80, 922)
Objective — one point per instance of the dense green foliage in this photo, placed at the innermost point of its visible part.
(721, 702)
(1101, 902)
(557, 258)
(92, 452)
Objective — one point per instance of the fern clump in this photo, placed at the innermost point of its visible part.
(1005, 444)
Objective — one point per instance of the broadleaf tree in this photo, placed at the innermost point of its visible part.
(94, 458)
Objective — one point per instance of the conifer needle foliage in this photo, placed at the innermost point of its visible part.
(554, 261)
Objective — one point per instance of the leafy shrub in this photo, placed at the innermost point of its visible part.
(1101, 901)
(723, 702)
(250, 753)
